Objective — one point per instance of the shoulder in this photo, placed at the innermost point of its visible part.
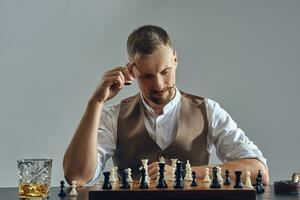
(130, 99)
(191, 96)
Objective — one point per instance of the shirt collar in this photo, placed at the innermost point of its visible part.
(168, 108)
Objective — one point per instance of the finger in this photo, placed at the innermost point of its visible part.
(116, 81)
(116, 73)
(152, 169)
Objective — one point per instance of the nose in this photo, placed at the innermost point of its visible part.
(158, 83)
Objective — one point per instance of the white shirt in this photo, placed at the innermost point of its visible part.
(230, 142)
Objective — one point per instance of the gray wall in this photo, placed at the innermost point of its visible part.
(243, 54)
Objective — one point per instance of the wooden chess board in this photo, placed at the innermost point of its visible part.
(202, 191)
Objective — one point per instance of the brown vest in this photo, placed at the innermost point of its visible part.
(134, 142)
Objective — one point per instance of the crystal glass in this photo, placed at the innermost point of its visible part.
(34, 177)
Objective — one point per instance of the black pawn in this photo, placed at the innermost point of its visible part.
(194, 181)
(258, 185)
(215, 182)
(62, 193)
(106, 185)
(161, 181)
(143, 183)
(227, 179)
(238, 182)
(124, 184)
(178, 174)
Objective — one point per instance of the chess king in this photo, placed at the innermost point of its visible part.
(160, 120)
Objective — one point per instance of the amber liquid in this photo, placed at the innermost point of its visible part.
(33, 190)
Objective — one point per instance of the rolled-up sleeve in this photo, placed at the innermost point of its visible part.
(230, 142)
(107, 137)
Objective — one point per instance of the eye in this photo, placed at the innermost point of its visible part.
(165, 72)
(146, 76)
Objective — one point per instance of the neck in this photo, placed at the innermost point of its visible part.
(159, 108)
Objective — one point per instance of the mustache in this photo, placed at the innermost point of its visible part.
(167, 88)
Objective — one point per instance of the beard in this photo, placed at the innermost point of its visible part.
(162, 97)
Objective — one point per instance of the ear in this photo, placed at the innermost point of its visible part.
(175, 58)
(130, 68)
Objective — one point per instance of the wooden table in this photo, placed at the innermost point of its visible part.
(12, 194)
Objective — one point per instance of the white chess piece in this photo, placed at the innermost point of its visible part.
(162, 159)
(220, 178)
(116, 173)
(112, 176)
(206, 177)
(73, 191)
(173, 169)
(248, 180)
(129, 178)
(145, 165)
(188, 174)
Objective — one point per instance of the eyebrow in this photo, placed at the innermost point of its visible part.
(152, 74)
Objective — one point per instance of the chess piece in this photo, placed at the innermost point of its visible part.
(173, 165)
(215, 182)
(259, 186)
(129, 178)
(161, 182)
(206, 177)
(73, 191)
(145, 165)
(62, 193)
(238, 182)
(188, 175)
(227, 179)
(112, 176)
(194, 181)
(116, 173)
(143, 183)
(220, 178)
(162, 159)
(179, 173)
(124, 184)
(295, 177)
(248, 180)
(106, 184)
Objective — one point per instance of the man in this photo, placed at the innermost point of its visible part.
(158, 121)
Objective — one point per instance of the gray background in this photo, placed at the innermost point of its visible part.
(243, 54)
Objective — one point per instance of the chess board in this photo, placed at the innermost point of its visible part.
(202, 191)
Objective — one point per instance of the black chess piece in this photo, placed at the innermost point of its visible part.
(62, 193)
(215, 182)
(194, 181)
(161, 181)
(227, 179)
(258, 185)
(143, 183)
(106, 184)
(238, 182)
(124, 184)
(178, 173)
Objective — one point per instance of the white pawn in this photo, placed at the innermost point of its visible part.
(220, 178)
(112, 176)
(145, 165)
(173, 169)
(116, 173)
(188, 175)
(129, 178)
(248, 180)
(206, 177)
(73, 191)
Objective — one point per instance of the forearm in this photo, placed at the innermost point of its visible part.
(80, 158)
(251, 164)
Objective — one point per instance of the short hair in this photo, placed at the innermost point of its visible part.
(145, 40)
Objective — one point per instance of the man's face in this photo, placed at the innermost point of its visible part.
(155, 74)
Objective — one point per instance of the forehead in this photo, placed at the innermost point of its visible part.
(154, 63)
